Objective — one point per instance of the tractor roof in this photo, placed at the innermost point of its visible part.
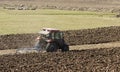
(44, 32)
(50, 29)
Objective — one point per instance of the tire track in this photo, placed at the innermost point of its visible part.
(76, 47)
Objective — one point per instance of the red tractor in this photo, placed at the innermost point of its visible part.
(49, 40)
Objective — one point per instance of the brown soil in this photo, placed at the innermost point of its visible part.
(14, 41)
(96, 57)
(90, 60)
(72, 37)
(75, 47)
(95, 60)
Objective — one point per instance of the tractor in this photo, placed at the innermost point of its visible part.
(49, 40)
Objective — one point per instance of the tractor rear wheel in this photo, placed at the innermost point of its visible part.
(65, 48)
(51, 47)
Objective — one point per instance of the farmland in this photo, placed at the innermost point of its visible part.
(72, 37)
(90, 28)
(15, 21)
(84, 58)
(95, 60)
(82, 5)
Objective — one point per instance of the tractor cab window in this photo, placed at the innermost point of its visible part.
(48, 36)
(45, 35)
(57, 35)
(42, 36)
(53, 35)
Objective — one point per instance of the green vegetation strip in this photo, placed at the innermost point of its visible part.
(31, 21)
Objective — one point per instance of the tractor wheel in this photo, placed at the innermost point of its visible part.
(51, 47)
(65, 48)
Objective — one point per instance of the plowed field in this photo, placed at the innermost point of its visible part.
(91, 50)
(97, 56)
(95, 60)
(72, 37)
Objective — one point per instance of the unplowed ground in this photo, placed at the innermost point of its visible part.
(90, 5)
(95, 60)
(76, 47)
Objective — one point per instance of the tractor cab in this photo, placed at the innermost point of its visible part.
(51, 39)
(51, 33)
